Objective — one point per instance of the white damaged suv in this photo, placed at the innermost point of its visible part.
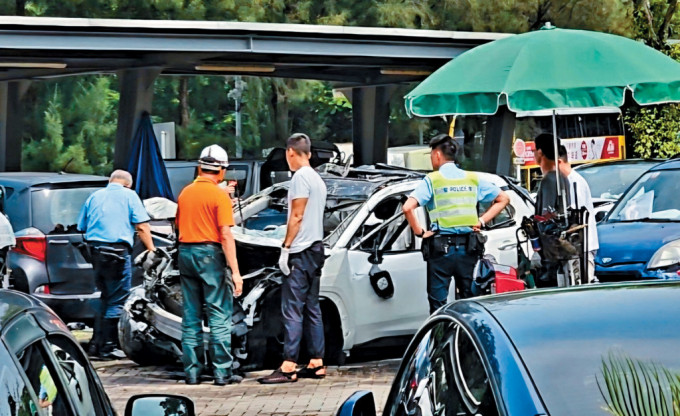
(373, 284)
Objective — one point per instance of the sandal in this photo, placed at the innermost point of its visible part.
(278, 376)
(308, 372)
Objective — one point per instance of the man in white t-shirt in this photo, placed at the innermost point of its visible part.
(580, 194)
(302, 257)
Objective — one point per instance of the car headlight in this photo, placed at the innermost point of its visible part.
(667, 255)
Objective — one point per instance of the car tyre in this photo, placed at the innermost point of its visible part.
(332, 329)
(142, 353)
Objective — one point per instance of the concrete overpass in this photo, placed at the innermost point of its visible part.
(369, 61)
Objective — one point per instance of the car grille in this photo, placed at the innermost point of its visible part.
(618, 276)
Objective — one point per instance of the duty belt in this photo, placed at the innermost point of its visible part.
(454, 239)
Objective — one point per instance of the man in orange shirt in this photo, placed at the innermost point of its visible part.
(204, 220)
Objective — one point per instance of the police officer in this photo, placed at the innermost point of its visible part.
(452, 246)
(206, 248)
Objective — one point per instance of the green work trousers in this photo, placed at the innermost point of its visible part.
(205, 286)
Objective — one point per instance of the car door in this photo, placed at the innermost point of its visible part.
(54, 368)
(501, 231)
(443, 374)
(16, 399)
(385, 234)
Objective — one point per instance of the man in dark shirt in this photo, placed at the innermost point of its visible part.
(547, 200)
(548, 203)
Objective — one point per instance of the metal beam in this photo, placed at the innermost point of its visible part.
(370, 124)
(11, 124)
(500, 129)
(136, 97)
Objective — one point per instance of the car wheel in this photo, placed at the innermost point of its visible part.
(265, 340)
(332, 329)
(138, 350)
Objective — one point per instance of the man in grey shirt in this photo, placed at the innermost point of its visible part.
(302, 257)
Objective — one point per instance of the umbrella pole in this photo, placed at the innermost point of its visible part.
(560, 191)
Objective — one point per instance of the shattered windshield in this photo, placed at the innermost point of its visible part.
(649, 199)
(266, 215)
(610, 181)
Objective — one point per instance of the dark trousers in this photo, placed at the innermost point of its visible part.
(204, 282)
(113, 276)
(441, 267)
(300, 304)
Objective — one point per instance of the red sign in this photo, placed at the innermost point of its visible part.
(519, 148)
(529, 156)
(584, 150)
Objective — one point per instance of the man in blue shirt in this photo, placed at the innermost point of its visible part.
(109, 219)
(451, 196)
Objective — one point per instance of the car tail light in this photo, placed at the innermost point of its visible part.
(31, 242)
(42, 290)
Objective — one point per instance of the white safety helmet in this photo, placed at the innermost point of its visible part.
(213, 158)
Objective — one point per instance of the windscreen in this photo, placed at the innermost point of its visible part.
(611, 181)
(267, 215)
(651, 198)
(57, 210)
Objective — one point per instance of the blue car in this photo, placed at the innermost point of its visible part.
(640, 237)
(589, 350)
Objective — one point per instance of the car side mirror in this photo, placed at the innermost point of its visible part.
(159, 405)
(599, 216)
(376, 256)
(361, 403)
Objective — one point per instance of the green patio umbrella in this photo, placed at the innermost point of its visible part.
(549, 69)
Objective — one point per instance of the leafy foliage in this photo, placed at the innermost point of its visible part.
(79, 128)
(656, 130)
(633, 387)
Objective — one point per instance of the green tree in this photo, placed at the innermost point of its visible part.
(655, 129)
(78, 126)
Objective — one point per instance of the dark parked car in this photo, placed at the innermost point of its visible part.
(48, 260)
(45, 372)
(252, 175)
(640, 238)
(589, 350)
(182, 172)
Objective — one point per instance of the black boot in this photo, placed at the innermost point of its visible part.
(96, 342)
(109, 349)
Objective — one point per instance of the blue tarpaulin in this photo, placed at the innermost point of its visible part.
(146, 163)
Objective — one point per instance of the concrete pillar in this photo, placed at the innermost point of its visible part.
(370, 124)
(11, 124)
(136, 97)
(497, 154)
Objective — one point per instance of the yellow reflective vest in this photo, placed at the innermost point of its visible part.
(47, 384)
(455, 200)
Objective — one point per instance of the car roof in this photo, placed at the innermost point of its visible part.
(14, 303)
(524, 311)
(619, 162)
(669, 165)
(27, 179)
